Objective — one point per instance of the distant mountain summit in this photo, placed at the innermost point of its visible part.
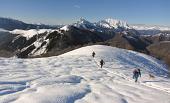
(103, 25)
(84, 24)
(113, 23)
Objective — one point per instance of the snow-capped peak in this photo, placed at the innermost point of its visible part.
(113, 23)
(82, 23)
(103, 24)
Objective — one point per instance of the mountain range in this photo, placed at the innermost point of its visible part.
(30, 40)
(150, 29)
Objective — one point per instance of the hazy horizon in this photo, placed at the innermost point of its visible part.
(151, 12)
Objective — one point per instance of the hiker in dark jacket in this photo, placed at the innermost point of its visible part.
(136, 74)
(102, 63)
(93, 54)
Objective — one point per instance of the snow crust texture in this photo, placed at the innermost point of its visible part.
(75, 77)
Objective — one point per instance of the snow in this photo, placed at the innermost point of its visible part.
(65, 28)
(82, 23)
(30, 33)
(102, 25)
(113, 23)
(38, 49)
(75, 77)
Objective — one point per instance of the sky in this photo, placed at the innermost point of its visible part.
(68, 11)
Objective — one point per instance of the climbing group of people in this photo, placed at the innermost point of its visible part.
(101, 61)
(136, 72)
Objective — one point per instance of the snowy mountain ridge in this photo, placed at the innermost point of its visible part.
(39, 42)
(110, 23)
(118, 25)
(30, 33)
(75, 77)
(113, 23)
(103, 24)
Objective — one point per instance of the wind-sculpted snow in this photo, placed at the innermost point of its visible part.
(75, 77)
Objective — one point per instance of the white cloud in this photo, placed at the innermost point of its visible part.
(77, 6)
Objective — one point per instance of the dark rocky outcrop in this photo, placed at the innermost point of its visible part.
(5, 39)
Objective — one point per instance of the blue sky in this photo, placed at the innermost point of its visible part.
(69, 11)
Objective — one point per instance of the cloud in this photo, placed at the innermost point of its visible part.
(77, 6)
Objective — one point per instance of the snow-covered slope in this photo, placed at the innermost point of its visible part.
(30, 44)
(30, 33)
(35, 38)
(75, 77)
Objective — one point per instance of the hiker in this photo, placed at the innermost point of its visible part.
(93, 54)
(102, 63)
(136, 74)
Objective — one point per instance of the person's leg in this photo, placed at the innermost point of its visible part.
(133, 76)
(136, 78)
